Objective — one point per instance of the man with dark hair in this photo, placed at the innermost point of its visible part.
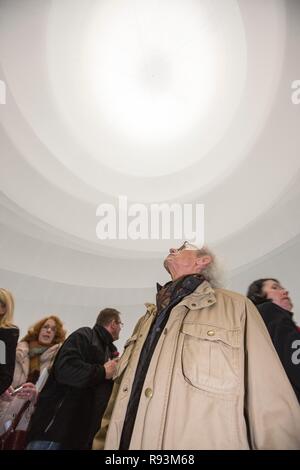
(108, 315)
(71, 405)
(275, 306)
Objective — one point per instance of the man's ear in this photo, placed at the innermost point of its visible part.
(112, 325)
(204, 261)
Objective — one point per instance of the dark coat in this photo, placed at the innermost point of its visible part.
(9, 339)
(73, 400)
(286, 339)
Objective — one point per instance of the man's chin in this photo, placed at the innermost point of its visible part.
(166, 265)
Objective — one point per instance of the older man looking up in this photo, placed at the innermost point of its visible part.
(200, 371)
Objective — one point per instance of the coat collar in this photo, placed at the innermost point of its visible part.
(104, 334)
(203, 296)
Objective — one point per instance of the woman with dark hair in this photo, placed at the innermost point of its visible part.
(9, 335)
(275, 306)
(34, 357)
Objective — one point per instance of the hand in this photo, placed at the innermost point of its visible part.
(110, 367)
(6, 396)
(27, 392)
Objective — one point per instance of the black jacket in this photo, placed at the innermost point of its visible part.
(73, 400)
(286, 339)
(8, 343)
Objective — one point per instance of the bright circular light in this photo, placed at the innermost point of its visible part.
(94, 140)
(154, 74)
(152, 71)
(56, 120)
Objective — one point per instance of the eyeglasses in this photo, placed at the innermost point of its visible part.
(120, 323)
(188, 246)
(49, 327)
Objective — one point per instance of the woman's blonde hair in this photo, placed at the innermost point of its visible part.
(7, 301)
(34, 331)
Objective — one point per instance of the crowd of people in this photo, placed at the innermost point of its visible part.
(205, 367)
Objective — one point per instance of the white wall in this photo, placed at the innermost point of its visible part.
(76, 306)
(79, 306)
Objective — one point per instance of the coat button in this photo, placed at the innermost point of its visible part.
(210, 301)
(149, 392)
(125, 389)
(194, 305)
(211, 333)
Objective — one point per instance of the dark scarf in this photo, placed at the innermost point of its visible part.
(111, 351)
(183, 285)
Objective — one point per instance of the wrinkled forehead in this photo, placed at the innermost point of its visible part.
(188, 246)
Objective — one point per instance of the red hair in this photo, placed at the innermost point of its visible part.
(34, 331)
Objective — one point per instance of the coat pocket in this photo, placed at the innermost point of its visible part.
(210, 357)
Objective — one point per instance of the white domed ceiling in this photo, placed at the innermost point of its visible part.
(166, 101)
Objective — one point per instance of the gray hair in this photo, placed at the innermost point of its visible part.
(213, 272)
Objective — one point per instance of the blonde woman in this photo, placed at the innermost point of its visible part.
(35, 353)
(9, 335)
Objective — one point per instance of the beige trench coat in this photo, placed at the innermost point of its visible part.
(214, 382)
